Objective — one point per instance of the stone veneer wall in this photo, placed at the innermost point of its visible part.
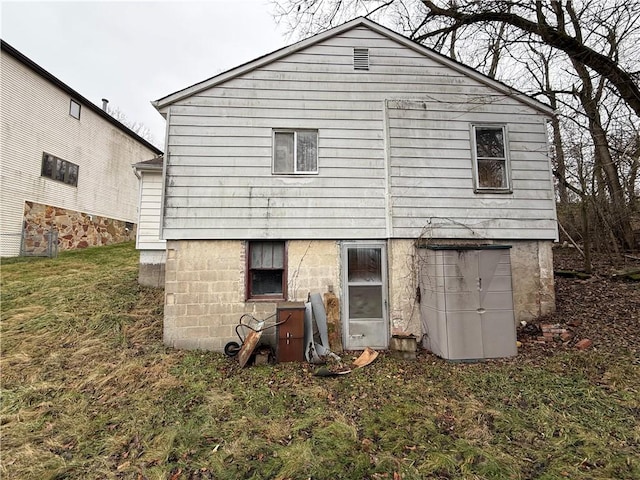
(75, 229)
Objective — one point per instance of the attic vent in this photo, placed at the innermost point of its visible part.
(361, 59)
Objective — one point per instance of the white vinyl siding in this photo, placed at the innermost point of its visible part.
(220, 183)
(432, 175)
(148, 233)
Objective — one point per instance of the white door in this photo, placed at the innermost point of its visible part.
(364, 277)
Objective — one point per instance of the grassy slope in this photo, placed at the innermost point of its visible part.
(88, 391)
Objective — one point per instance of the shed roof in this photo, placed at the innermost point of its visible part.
(166, 101)
(27, 62)
(155, 163)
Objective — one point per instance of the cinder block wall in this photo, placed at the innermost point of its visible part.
(532, 279)
(205, 288)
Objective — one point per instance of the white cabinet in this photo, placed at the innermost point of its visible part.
(467, 301)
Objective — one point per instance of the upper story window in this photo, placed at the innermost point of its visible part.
(491, 158)
(266, 270)
(295, 151)
(74, 109)
(60, 170)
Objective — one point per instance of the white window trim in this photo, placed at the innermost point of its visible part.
(507, 159)
(295, 151)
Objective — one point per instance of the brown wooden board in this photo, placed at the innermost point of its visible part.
(249, 345)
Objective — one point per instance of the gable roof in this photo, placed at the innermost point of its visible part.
(27, 62)
(166, 101)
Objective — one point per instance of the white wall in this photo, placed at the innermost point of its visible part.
(431, 172)
(148, 233)
(219, 181)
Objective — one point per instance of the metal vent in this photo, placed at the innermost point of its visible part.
(361, 59)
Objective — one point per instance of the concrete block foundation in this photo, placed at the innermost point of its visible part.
(205, 285)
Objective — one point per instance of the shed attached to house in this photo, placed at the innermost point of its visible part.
(325, 165)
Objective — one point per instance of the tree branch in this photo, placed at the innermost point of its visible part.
(622, 80)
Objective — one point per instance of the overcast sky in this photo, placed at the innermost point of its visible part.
(134, 52)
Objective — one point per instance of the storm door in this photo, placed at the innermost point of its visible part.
(364, 274)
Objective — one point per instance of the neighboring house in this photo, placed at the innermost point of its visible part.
(152, 247)
(65, 164)
(328, 165)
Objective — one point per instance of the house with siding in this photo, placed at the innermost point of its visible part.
(360, 163)
(65, 164)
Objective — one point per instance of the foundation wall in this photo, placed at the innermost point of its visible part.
(151, 271)
(75, 229)
(205, 286)
(404, 309)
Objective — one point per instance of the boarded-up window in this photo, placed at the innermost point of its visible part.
(266, 270)
(491, 158)
(295, 152)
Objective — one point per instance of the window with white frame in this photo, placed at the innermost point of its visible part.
(491, 159)
(266, 270)
(295, 151)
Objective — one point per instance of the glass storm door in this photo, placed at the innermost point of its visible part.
(364, 273)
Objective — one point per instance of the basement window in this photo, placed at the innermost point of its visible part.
(361, 59)
(490, 158)
(57, 169)
(266, 270)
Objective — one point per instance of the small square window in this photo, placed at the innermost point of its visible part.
(491, 160)
(295, 152)
(74, 109)
(266, 270)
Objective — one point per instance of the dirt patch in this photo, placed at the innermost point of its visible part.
(602, 308)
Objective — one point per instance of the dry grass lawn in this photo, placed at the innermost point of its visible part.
(90, 392)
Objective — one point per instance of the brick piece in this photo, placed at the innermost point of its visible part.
(566, 336)
(584, 344)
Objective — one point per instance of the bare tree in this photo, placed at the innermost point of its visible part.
(138, 128)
